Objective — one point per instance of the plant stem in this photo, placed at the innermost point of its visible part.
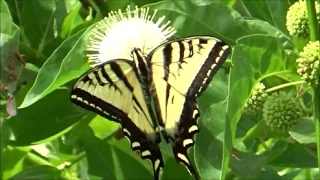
(316, 117)
(314, 36)
(284, 85)
(37, 160)
(94, 5)
(312, 20)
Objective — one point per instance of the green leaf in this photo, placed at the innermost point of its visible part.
(174, 170)
(304, 132)
(269, 11)
(12, 160)
(209, 142)
(103, 127)
(214, 19)
(246, 164)
(216, 91)
(289, 158)
(49, 117)
(72, 20)
(109, 162)
(42, 26)
(66, 63)
(38, 173)
(251, 64)
(258, 130)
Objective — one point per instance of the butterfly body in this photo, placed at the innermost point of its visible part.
(173, 75)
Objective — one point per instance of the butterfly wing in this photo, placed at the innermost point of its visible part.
(181, 71)
(114, 91)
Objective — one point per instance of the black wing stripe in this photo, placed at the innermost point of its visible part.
(167, 56)
(106, 76)
(212, 64)
(99, 107)
(118, 71)
(96, 73)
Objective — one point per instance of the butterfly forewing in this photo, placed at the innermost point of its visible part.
(113, 90)
(188, 65)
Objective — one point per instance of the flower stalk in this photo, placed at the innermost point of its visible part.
(314, 36)
(312, 19)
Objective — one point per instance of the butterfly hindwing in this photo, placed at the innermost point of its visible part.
(181, 70)
(114, 91)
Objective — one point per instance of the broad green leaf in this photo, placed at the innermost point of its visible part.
(71, 5)
(254, 57)
(72, 20)
(41, 26)
(208, 144)
(109, 162)
(49, 117)
(291, 157)
(269, 173)
(304, 131)
(214, 19)
(246, 164)
(276, 150)
(12, 160)
(66, 63)
(173, 170)
(216, 91)
(274, 12)
(38, 173)
(103, 127)
(258, 130)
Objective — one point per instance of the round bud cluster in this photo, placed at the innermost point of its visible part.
(281, 112)
(255, 103)
(297, 19)
(308, 63)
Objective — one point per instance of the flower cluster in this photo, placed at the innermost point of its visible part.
(297, 19)
(255, 103)
(115, 36)
(281, 112)
(308, 63)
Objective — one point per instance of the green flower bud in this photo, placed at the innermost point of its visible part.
(297, 19)
(255, 103)
(281, 112)
(308, 63)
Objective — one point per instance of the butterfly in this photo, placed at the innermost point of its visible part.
(170, 78)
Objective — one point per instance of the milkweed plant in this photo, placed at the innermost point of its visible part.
(260, 115)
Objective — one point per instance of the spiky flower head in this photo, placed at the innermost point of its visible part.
(115, 36)
(255, 103)
(297, 19)
(281, 112)
(308, 63)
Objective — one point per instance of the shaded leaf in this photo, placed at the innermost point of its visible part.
(208, 145)
(66, 63)
(304, 132)
(49, 117)
(38, 173)
(113, 163)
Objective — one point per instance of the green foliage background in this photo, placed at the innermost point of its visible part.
(50, 138)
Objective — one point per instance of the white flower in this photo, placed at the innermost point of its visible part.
(115, 36)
